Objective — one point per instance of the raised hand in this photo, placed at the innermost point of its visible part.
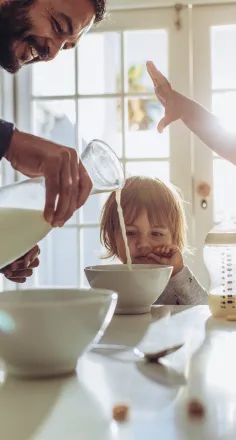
(166, 95)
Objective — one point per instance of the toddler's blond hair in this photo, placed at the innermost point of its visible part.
(163, 203)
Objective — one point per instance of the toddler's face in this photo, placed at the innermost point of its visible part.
(143, 238)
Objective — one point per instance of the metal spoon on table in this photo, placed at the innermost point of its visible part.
(152, 357)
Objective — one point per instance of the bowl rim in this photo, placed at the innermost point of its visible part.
(87, 295)
(141, 267)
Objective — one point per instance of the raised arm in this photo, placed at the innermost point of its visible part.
(199, 120)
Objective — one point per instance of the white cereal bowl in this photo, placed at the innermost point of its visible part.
(44, 331)
(137, 289)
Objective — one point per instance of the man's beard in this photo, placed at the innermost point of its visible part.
(14, 24)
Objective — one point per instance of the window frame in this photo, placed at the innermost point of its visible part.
(180, 138)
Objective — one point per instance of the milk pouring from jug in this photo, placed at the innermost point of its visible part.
(22, 224)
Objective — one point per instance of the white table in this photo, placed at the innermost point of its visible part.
(79, 408)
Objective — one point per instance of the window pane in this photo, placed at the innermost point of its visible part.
(99, 64)
(59, 258)
(91, 211)
(91, 248)
(141, 46)
(56, 78)
(161, 170)
(43, 273)
(55, 120)
(223, 45)
(224, 184)
(142, 138)
(101, 119)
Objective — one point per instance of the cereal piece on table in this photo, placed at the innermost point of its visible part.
(196, 408)
(121, 412)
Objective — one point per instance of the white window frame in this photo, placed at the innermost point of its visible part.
(179, 74)
(203, 18)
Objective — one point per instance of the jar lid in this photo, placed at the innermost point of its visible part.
(223, 238)
(223, 234)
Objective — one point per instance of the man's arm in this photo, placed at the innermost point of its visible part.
(67, 182)
(6, 133)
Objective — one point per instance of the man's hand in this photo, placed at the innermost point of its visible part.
(22, 268)
(65, 178)
(167, 97)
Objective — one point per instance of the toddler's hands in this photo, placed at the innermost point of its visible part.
(166, 95)
(168, 255)
(22, 268)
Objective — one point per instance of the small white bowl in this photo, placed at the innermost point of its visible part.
(44, 331)
(137, 289)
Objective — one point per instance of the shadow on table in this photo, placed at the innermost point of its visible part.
(130, 329)
(162, 373)
(211, 380)
(24, 405)
(179, 309)
(133, 331)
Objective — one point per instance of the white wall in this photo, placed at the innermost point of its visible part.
(123, 4)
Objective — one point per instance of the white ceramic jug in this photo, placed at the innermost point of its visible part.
(22, 224)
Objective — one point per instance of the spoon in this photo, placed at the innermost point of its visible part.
(149, 356)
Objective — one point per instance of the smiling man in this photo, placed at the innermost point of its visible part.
(36, 30)
(33, 31)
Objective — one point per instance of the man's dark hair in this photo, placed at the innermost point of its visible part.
(100, 9)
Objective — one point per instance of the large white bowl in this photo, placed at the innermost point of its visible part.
(44, 331)
(137, 289)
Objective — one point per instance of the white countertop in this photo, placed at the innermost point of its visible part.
(81, 407)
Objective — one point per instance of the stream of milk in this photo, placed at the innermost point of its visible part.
(123, 229)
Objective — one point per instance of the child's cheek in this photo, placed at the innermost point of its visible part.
(164, 240)
(132, 246)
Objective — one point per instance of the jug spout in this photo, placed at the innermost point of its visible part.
(103, 166)
(100, 191)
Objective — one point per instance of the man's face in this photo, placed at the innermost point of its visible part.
(36, 30)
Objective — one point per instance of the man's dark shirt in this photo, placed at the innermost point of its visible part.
(6, 132)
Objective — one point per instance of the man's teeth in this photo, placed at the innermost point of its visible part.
(34, 52)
